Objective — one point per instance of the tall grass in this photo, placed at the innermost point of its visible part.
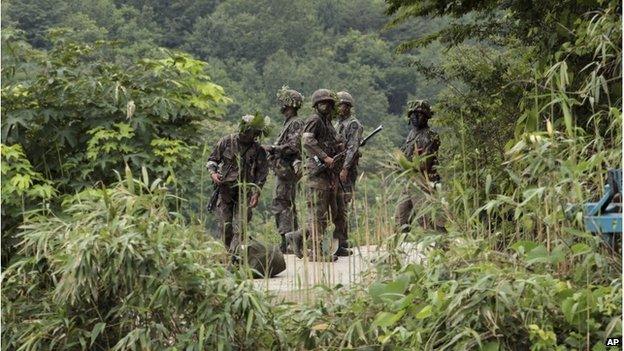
(117, 270)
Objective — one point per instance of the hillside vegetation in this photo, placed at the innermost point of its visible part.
(111, 107)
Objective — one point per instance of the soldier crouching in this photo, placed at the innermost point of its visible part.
(238, 167)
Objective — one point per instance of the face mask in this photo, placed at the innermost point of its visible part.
(344, 110)
(324, 107)
(247, 137)
(418, 120)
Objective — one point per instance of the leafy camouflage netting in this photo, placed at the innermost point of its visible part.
(289, 97)
(414, 105)
(257, 122)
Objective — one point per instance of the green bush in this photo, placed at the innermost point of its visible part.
(466, 297)
(116, 270)
(78, 114)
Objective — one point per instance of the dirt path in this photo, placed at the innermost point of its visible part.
(295, 282)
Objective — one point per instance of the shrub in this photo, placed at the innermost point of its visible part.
(116, 270)
(467, 297)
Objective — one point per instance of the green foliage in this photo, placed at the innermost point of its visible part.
(255, 122)
(20, 180)
(527, 99)
(78, 116)
(23, 189)
(465, 297)
(314, 44)
(116, 270)
(496, 175)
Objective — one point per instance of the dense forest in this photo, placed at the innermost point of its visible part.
(111, 108)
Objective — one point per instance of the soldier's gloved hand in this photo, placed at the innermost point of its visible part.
(435, 186)
(269, 148)
(216, 178)
(253, 201)
(343, 175)
(329, 162)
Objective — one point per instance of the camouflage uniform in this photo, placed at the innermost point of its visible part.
(285, 156)
(227, 156)
(321, 140)
(424, 142)
(350, 133)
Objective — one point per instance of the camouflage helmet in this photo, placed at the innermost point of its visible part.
(419, 105)
(255, 122)
(345, 98)
(323, 95)
(289, 97)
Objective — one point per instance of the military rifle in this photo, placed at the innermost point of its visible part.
(321, 166)
(215, 194)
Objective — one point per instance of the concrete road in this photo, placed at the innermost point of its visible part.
(301, 275)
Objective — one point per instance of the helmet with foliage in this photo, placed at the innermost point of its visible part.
(419, 105)
(345, 98)
(323, 95)
(289, 97)
(255, 122)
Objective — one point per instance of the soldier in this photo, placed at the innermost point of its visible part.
(424, 142)
(285, 159)
(350, 132)
(238, 167)
(320, 142)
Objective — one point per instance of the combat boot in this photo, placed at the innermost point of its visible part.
(295, 240)
(346, 245)
(343, 252)
(285, 248)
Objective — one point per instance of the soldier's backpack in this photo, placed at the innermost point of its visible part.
(265, 260)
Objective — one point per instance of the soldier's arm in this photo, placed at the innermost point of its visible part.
(310, 143)
(216, 157)
(292, 144)
(407, 147)
(354, 137)
(261, 169)
(435, 145)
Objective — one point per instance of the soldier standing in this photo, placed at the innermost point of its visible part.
(350, 132)
(238, 167)
(321, 144)
(285, 159)
(424, 142)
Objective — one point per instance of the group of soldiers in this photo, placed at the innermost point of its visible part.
(326, 154)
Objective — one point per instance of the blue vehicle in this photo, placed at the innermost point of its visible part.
(605, 216)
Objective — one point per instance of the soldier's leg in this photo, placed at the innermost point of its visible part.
(242, 215)
(300, 239)
(348, 193)
(318, 201)
(284, 208)
(293, 201)
(225, 213)
(430, 221)
(348, 197)
(319, 209)
(404, 213)
(295, 240)
(339, 218)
